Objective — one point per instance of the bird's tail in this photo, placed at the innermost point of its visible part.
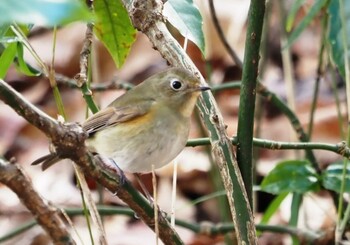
(47, 161)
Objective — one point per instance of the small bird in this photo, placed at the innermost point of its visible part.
(147, 125)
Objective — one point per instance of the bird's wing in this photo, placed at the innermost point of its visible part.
(114, 115)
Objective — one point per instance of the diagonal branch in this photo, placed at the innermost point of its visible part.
(68, 140)
(147, 17)
(48, 217)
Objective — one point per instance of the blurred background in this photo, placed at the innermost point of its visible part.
(197, 173)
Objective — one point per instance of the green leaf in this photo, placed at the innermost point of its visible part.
(3, 29)
(23, 67)
(272, 208)
(335, 33)
(185, 17)
(114, 29)
(43, 12)
(291, 176)
(292, 13)
(333, 175)
(314, 10)
(6, 58)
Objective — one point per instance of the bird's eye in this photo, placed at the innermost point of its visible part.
(176, 84)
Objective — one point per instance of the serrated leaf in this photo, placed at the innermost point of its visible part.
(291, 176)
(186, 18)
(332, 177)
(43, 12)
(335, 33)
(314, 10)
(114, 29)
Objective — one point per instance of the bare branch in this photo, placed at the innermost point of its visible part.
(47, 216)
(114, 84)
(146, 16)
(68, 140)
(222, 37)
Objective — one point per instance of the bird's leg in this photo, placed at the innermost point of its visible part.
(144, 189)
(149, 196)
(111, 164)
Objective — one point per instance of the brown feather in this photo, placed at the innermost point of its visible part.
(114, 115)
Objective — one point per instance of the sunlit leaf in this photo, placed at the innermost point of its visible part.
(114, 29)
(185, 17)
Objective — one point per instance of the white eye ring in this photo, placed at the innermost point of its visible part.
(176, 84)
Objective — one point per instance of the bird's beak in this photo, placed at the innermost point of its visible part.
(199, 88)
(204, 88)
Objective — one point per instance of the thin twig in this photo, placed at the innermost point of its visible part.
(146, 16)
(320, 73)
(222, 37)
(68, 140)
(204, 228)
(47, 216)
(341, 223)
(82, 77)
(82, 82)
(114, 84)
(341, 148)
(301, 134)
(155, 200)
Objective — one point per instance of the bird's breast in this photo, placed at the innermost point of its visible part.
(155, 138)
